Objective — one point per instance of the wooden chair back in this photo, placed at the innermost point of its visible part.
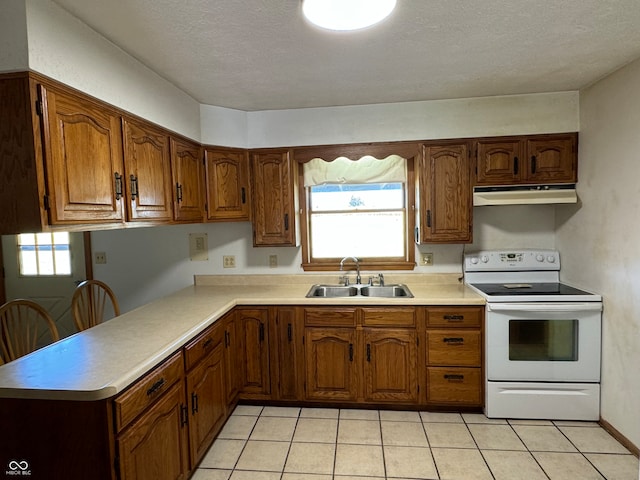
(25, 326)
(89, 303)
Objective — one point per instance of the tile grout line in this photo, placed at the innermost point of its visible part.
(529, 451)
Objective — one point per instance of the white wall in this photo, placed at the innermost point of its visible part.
(599, 238)
(14, 53)
(62, 47)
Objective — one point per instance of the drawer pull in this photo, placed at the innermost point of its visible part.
(155, 387)
(184, 415)
(207, 343)
(454, 318)
(194, 403)
(456, 340)
(351, 352)
(368, 352)
(452, 376)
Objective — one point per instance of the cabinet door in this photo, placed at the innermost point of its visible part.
(445, 196)
(233, 370)
(331, 364)
(552, 159)
(187, 170)
(148, 170)
(499, 162)
(227, 172)
(83, 157)
(206, 391)
(155, 446)
(254, 352)
(390, 366)
(287, 355)
(273, 199)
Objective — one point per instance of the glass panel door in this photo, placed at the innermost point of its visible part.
(543, 340)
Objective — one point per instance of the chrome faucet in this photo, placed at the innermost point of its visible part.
(357, 262)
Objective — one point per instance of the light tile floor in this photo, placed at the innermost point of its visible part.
(283, 443)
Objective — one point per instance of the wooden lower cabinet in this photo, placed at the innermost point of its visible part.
(390, 366)
(286, 355)
(233, 369)
(330, 367)
(252, 327)
(155, 447)
(454, 356)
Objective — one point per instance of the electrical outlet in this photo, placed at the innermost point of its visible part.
(101, 258)
(273, 261)
(229, 261)
(426, 259)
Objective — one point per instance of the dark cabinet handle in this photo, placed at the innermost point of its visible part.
(194, 403)
(289, 332)
(178, 192)
(207, 343)
(453, 340)
(227, 339)
(243, 195)
(261, 332)
(368, 352)
(184, 415)
(134, 186)
(516, 167)
(454, 318)
(118, 182)
(429, 218)
(155, 387)
(351, 352)
(533, 164)
(453, 377)
(286, 221)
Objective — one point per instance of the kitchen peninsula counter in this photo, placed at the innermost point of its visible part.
(103, 361)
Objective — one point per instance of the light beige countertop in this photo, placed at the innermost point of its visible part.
(104, 360)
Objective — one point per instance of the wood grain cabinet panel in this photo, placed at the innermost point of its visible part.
(331, 368)
(228, 190)
(148, 172)
(233, 369)
(454, 347)
(445, 205)
(188, 181)
(274, 214)
(454, 386)
(286, 355)
(83, 157)
(525, 160)
(252, 324)
(155, 447)
(390, 365)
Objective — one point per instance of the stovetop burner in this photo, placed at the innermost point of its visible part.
(510, 289)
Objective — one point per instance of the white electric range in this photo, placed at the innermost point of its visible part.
(542, 337)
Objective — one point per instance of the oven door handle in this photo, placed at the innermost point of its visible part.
(545, 307)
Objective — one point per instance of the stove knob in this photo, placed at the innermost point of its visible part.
(484, 259)
(540, 258)
(474, 260)
(551, 259)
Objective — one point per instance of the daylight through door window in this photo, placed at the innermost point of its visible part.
(44, 254)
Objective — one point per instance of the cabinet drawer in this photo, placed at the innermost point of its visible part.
(202, 345)
(454, 347)
(389, 317)
(455, 317)
(454, 386)
(330, 317)
(146, 390)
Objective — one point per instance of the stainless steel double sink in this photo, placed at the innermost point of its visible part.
(337, 291)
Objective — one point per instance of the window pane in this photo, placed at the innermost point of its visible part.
(368, 234)
(353, 197)
(26, 239)
(44, 254)
(61, 238)
(63, 260)
(45, 260)
(28, 262)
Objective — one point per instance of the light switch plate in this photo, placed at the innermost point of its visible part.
(198, 247)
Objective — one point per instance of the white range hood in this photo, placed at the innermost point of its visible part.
(524, 194)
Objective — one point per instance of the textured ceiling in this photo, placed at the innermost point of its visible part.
(261, 54)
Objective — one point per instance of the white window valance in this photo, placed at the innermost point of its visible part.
(367, 169)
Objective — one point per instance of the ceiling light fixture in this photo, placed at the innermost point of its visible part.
(346, 14)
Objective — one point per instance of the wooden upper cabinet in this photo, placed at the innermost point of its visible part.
(552, 159)
(148, 172)
(444, 185)
(83, 158)
(527, 160)
(227, 173)
(188, 178)
(273, 175)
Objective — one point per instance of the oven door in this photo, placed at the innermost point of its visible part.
(553, 342)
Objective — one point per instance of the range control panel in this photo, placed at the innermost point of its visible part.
(511, 260)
